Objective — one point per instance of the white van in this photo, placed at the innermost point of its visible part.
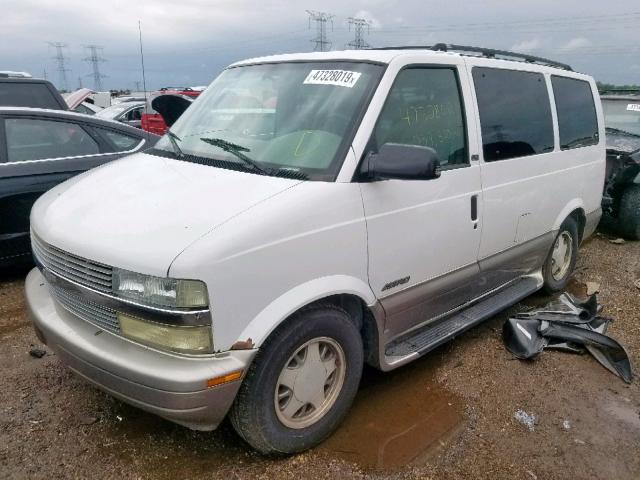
(310, 213)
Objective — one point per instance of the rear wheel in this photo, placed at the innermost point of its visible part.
(561, 260)
(302, 382)
(629, 213)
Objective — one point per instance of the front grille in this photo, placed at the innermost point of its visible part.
(77, 269)
(98, 315)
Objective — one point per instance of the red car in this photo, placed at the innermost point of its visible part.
(165, 106)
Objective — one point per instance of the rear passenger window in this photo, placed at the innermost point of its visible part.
(31, 139)
(424, 108)
(515, 113)
(576, 109)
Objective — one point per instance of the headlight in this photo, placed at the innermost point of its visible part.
(157, 291)
(179, 339)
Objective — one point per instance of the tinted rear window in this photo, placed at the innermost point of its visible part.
(38, 95)
(515, 113)
(577, 118)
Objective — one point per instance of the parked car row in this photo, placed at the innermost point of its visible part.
(40, 148)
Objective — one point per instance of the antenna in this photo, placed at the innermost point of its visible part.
(60, 61)
(359, 24)
(321, 19)
(95, 61)
(144, 80)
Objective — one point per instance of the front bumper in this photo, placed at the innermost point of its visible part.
(171, 386)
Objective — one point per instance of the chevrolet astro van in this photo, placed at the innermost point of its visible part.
(310, 213)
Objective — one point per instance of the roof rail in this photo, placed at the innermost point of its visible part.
(485, 52)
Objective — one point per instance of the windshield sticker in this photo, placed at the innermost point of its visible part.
(341, 78)
(634, 107)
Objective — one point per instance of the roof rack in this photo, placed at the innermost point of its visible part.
(484, 52)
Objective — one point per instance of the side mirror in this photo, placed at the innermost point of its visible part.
(401, 162)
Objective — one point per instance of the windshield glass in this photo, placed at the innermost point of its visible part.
(622, 115)
(296, 118)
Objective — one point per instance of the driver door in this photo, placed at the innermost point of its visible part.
(424, 235)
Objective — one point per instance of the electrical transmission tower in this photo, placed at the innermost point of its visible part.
(60, 61)
(95, 59)
(321, 19)
(79, 82)
(359, 24)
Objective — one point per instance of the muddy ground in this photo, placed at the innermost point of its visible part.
(448, 415)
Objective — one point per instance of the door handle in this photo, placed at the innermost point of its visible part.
(474, 211)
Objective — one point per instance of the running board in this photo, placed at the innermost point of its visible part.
(418, 342)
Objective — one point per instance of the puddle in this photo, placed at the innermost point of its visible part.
(399, 418)
(625, 413)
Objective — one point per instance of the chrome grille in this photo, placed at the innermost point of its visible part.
(98, 315)
(80, 270)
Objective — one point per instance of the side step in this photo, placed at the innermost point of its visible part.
(419, 342)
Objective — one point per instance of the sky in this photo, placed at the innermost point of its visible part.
(188, 42)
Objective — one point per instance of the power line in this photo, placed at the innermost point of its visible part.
(359, 24)
(95, 59)
(60, 62)
(321, 19)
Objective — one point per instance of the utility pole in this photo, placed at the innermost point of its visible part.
(95, 59)
(359, 24)
(60, 61)
(321, 19)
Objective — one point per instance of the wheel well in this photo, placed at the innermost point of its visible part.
(362, 316)
(581, 219)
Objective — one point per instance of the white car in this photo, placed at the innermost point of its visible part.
(307, 214)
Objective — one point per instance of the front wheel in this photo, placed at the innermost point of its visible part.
(301, 383)
(561, 260)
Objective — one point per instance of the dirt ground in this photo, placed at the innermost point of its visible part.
(448, 415)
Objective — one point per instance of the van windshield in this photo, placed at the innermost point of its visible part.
(622, 115)
(291, 119)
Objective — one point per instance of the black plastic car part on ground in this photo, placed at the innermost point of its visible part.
(41, 148)
(569, 325)
(621, 195)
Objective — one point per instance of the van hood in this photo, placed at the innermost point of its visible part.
(140, 212)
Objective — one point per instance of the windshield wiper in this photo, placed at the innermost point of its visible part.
(236, 150)
(174, 139)
(624, 132)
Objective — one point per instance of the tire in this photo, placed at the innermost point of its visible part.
(556, 274)
(629, 213)
(259, 412)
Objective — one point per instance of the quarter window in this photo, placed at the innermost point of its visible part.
(577, 118)
(424, 108)
(515, 113)
(120, 141)
(31, 139)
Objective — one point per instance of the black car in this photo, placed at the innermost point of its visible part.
(40, 148)
(30, 92)
(621, 198)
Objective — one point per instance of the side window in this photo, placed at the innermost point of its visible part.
(120, 141)
(424, 108)
(576, 109)
(515, 113)
(136, 114)
(32, 139)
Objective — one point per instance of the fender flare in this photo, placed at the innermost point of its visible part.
(574, 204)
(290, 302)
